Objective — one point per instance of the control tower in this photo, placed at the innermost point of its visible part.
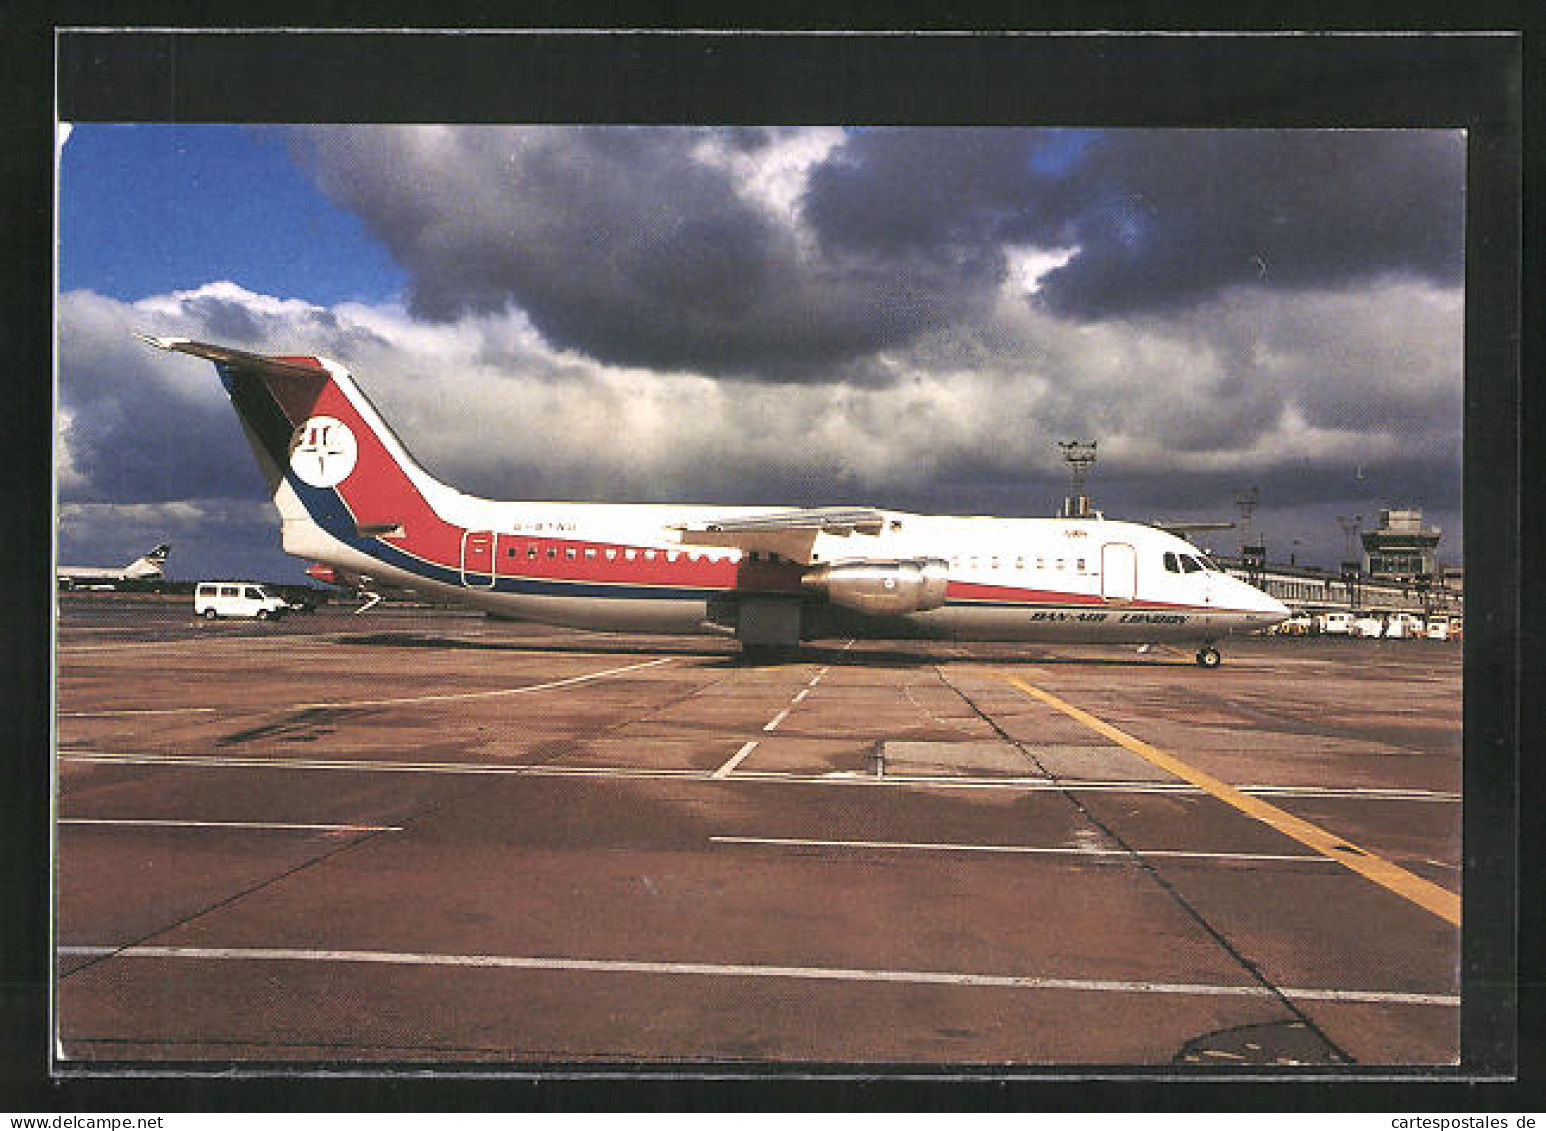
(1402, 548)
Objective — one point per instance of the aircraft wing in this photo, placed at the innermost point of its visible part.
(790, 534)
(1185, 528)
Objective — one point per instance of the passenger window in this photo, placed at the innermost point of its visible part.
(1019, 563)
(569, 553)
(1041, 563)
(992, 563)
(590, 555)
(1060, 563)
(649, 555)
(955, 562)
(630, 554)
(552, 552)
(611, 555)
(531, 552)
(974, 563)
(1171, 565)
(1081, 565)
(672, 555)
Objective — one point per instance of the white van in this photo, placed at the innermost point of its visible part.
(1368, 626)
(1438, 628)
(1336, 624)
(1405, 626)
(214, 599)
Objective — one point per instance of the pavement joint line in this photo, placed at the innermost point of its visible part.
(1034, 784)
(735, 760)
(1429, 896)
(278, 826)
(1032, 850)
(731, 970)
(463, 696)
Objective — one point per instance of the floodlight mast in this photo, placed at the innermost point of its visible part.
(1246, 500)
(1080, 456)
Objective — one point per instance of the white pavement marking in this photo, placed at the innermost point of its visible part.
(375, 702)
(804, 691)
(930, 846)
(265, 825)
(465, 695)
(1024, 785)
(171, 643)
(118, 713)
(778, 718)
(735, 760)
(719, 970)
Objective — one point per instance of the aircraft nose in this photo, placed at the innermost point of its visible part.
(1276, 610)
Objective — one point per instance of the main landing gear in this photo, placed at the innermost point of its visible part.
(1208, 657)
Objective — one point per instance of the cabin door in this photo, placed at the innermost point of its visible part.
(478, 559)
(1118, 572)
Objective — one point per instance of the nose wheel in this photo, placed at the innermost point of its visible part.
(1209, 657)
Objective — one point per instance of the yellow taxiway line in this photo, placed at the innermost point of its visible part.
(1429, 896)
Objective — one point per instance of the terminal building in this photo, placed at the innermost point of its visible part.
(1399, 573)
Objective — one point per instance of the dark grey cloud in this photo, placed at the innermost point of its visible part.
(1163, 219)
(646, 247)
(631, 246)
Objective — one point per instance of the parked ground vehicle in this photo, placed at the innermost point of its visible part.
(1300, 625)
(1367, 626)
(215, 599)
(1405, 626)
(1336, 624)
(1437, 628)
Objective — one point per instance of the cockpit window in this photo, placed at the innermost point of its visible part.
(1190, 564)
(1170, 563)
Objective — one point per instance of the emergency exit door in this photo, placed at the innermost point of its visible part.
(1118, 572)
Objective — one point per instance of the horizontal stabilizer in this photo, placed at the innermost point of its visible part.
(240, 359)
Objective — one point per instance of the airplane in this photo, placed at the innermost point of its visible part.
(146, 568)
(351, 497)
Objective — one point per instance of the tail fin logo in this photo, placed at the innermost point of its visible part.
(323, 452)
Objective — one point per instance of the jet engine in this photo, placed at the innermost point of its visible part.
(912, 585)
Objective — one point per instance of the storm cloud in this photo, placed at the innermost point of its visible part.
(797, 254)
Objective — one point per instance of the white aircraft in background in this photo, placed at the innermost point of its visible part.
(150, 567)
(352, 499)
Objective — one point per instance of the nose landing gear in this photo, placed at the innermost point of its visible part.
(1208, 657)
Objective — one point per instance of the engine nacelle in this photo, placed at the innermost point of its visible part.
(913, 585)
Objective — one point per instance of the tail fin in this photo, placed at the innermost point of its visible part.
(149, 565)
(347, 490)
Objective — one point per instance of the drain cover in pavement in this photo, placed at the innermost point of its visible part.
(1280, 1043)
